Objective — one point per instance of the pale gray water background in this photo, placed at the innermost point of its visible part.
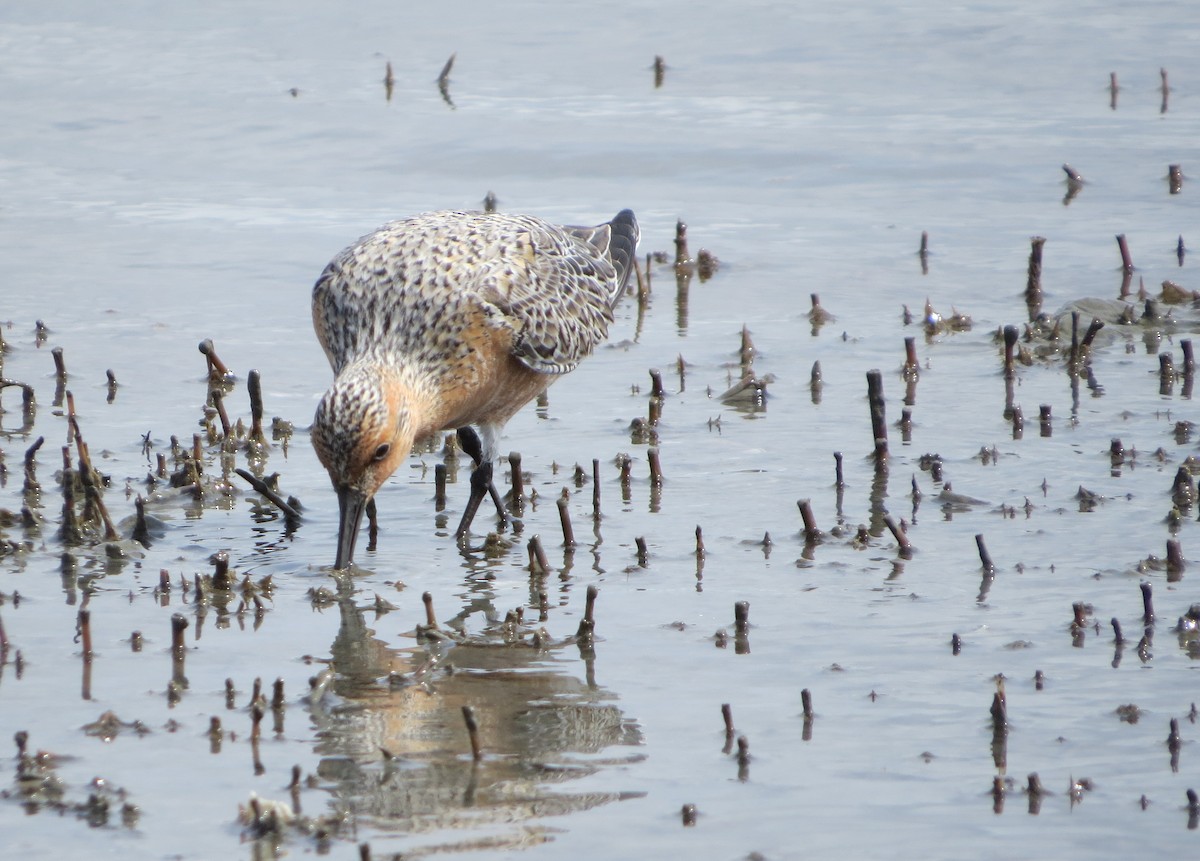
(159, 184)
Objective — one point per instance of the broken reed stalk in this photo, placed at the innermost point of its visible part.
(1175, 178)
(85, 633)
(1089, 336)
(254, 388)
(806, 703)
(656, 476)
(94, 499)
(642, 555)
(539, 565)
(878, 421)
(1189, 361)
(31, 482)
(1010, 343)
(60, 367)
(1117, 635)
(682, 257)
(179, 624)
(839, 478)
(985, 558)
(430, 616)
(564, 518)
(468, 714)
(811, 534)
(518, 480)
(1147, 605)
(955, 644)
(289, 511)
(439, 487)
(216, 368)
(905, 546)
(443, 77)
(217, 399)
(656, 384)
(1126, 259)
(141, 532)
(741, 618)
(700, 551)
(595, 488)
(587, 625)
(911, 365)
(1033, 280)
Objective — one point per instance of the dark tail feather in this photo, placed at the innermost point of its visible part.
(622, 247)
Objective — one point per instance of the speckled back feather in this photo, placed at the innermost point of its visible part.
(408, 291)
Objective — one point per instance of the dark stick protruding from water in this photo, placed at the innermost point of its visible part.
(660, 71)
(286, 506)
(688, 813)
(587, 625)
(839, 479)
(1044, 417)
(806, 703)
(955, 644)
(640, 543)
(430, 616)
(656, 384)
(1126, 259)
(727, 717)
(443, 77)
(1113, 89)
(741, 618)
(1174, 741)
(1175, 562)
(439, 487)
(518, 480)
(905, 546)
(811, 534)
(216, 368)
(656, 476)
(700, 552)
(564, 518)
(1010, 343)
(923, 252)
(254, 388)
(85, 633)
(539, 564)
(60, 367)
(985, 558)
(179, 624)
(1033, 280)
(878, 420)
(473, 732)
(682, 257)
(1117, 635)
(1175, 178)
(1147, 604)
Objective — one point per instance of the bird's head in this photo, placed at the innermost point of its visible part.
(362, 431)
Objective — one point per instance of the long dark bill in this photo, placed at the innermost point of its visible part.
(351, 505)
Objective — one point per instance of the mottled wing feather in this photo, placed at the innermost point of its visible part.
(553, 287)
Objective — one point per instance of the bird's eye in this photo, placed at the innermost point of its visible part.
(382, 452)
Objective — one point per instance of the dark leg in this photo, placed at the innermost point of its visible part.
(468, 440)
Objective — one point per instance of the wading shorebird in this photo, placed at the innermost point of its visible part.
(450, 320)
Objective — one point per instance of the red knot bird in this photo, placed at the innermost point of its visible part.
(450, 320)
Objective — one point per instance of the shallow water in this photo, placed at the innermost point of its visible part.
(161, 184)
